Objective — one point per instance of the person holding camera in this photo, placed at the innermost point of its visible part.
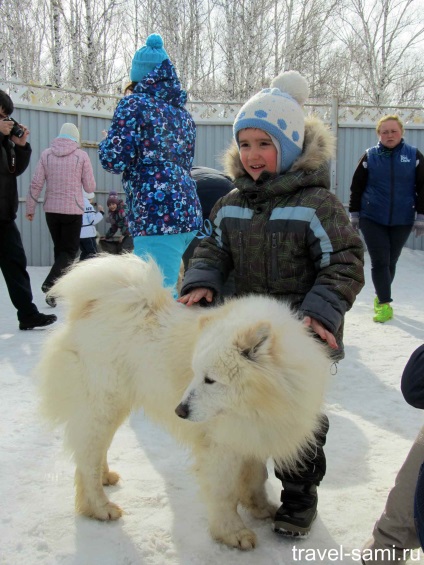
(15, 153)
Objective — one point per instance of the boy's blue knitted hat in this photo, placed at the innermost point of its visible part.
(148, 57)
(278, 111)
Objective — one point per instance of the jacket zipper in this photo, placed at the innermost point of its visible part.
(241, 254)
(392, 187)
(274, 258)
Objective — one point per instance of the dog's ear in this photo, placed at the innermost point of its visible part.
(254, 341)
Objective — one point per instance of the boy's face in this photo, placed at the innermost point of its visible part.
(112, 207)
(257, 152)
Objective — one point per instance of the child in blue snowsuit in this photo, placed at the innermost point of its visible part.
(151, 141)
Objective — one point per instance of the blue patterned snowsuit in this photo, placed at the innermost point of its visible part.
(151, 141)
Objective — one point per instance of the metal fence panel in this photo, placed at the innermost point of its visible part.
(213, 138)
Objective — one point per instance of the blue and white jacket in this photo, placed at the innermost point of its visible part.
(89, 220)
(151, 141)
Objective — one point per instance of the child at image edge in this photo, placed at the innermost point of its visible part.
(286, 235)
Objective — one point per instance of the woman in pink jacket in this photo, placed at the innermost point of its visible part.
(64, 168)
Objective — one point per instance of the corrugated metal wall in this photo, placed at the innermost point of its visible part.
(211, 142)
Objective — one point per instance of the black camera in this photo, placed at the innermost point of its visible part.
(16, 130)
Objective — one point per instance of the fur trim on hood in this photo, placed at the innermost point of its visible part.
(318, 148)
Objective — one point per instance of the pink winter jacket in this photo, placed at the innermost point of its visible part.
(64, 168)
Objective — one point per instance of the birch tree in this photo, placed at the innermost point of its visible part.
(57, 51)
(226, 50)
(246, 45)
(381, 37)
(23, 32)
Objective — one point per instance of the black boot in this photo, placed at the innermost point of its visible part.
(298, 511)
(37, 320)
(299, 496)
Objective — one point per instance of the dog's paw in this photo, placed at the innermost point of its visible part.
(264, 511)
(110, 478)
(243, 539)
(108, 511)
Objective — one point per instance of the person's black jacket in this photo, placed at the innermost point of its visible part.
(412, 382)
(211, 185)
(8, 185)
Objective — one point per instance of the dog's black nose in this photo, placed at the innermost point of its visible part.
(182, 411)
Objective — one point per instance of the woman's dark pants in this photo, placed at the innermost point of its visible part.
(385, 244)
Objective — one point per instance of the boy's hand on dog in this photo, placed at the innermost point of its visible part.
(319, 329)
(196, 295)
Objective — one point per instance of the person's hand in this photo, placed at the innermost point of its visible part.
(319, 329)
(6, 126)
(196, 295)
(102, 238)
(104, 134)
(29, 217)
(419, 225)
(354, 220)
(121, 239)
(100, 208)
(21, 140)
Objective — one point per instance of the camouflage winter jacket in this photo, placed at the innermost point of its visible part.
(285, 235)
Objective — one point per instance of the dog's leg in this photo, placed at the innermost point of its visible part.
(218, 473)
(90, 439)
(252, 492)
(108, 477)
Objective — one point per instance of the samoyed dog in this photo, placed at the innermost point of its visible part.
(238, 383)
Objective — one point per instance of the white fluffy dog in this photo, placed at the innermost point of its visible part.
(238, 383)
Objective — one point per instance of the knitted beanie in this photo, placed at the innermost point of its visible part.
(70, 131)
(112, 198)
(278, 111)
(148, 57)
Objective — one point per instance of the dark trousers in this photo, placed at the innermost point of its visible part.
(88, 247)
(116, 248)
(65, 230)
(385, 244)
(312, 467)
(13, 265)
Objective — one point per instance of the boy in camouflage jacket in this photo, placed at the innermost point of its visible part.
(284, 233)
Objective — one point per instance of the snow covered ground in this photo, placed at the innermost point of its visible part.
(164, 523)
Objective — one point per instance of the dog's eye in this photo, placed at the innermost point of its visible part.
(208, 381)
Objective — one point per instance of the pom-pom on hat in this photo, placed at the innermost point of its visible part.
(148, 57)
(88, 195)
(278, 111)
(112, 198)
(70, 131)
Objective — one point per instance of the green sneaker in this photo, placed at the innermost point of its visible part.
(376, 305)
(384, 313)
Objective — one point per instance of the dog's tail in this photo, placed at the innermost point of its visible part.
(122, 281)
(115, 292)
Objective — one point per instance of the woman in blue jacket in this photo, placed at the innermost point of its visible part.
(386, 202)
(151, 141)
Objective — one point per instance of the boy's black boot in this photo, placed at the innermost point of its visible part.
(299, 495)
(298, 511)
